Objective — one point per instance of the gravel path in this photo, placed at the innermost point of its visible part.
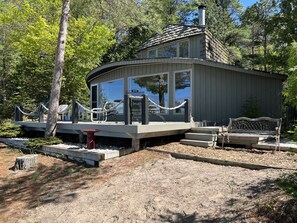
(166, 190)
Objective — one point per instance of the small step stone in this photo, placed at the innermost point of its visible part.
(197, 143)
(208, 130)
(201, 136)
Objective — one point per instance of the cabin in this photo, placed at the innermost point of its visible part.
(186, 62)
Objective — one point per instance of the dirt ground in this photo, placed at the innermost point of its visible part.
(140, 187)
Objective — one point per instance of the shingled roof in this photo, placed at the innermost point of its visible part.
(172, 32)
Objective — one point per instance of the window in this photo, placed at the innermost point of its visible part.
(182, 88)
(168, 51)
(152, 53)
(112, 92)
(180, 49)
(184, 49)
(156, 88)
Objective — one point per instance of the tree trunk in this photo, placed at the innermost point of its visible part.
(25, 162)
(52, 118)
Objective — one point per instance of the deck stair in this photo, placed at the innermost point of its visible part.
(202, 136)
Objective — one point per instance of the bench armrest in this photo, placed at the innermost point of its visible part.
(278, 131)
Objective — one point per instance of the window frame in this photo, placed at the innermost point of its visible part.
(154, 74)
(174, 90)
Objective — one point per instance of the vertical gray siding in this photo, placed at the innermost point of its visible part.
(220, 94)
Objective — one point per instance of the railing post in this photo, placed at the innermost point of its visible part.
(144, 110)
(127, 111)
(40, 113)
(187, 111)
(18, 115)
(74, 115)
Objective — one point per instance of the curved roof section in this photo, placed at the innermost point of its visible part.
(170, 33)
(148, 61)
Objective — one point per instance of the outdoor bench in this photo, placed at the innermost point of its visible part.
(264, 127)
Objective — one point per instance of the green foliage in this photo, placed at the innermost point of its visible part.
(290, 86)
(37, 143)
(251, 108)
(289, 184)
(9, 130)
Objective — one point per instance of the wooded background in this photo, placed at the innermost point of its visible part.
(262, 36)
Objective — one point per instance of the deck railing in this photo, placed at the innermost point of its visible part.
(129, 111)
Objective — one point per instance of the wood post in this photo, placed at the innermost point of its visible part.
(135, 144)
(144, 110)
(187, 111)
(18, 115)
(41, 113)
(74, 115)
(127, 110)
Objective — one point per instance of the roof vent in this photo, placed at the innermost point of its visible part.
(202, 9)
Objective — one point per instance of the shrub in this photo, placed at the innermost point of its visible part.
(251, 108)
(9, 130)
(37, 143)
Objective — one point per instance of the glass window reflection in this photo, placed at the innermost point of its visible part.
(168, 51)
(155, 86)
(184, 49)
(182, 88)
(111, 92)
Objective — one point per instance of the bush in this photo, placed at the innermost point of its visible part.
(251, 108)
(9, 130)
(37, 143)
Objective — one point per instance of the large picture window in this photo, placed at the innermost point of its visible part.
(155, 86)
(111, 92)
(182, 88)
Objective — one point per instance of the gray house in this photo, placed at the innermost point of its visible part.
(186, 62)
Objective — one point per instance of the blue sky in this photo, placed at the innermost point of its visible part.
(247, 3)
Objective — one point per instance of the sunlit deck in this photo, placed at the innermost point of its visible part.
(134, 131)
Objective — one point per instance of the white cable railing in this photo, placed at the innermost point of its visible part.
(101, 111)
(167, 108)
(28, 114)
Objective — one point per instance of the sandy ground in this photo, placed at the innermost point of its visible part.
(163, 190)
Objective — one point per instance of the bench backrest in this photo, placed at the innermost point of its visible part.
(263, 125)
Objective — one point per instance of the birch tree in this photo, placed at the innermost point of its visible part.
(51, 125)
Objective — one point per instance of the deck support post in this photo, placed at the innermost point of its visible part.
(135, 144)
(144, 110)
(187, 111)
(127, 111)
(74, 115)
(18, 116)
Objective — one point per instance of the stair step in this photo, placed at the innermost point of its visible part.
(208, 129)
(201, 136)
(197, 143)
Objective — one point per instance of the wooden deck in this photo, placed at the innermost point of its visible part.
(135, 131)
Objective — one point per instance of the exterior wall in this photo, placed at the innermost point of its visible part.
(217, 94)
(196, 49)
(203, 46)
(220, 94)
